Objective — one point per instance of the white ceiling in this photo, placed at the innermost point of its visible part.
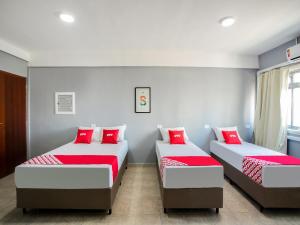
(143, 32)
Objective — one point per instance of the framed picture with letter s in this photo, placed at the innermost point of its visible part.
(142, 100)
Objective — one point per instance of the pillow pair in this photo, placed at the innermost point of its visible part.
(229, 135)
(108, 136)
(98, 132)
(175, 135)
(104, 135)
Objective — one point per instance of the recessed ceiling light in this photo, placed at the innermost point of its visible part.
(227, 21)
(68, 18)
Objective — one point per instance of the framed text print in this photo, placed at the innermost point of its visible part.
(143, 100)
(64, 102)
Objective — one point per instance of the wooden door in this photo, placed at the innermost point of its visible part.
(12, 122)
(15, 121)
(2, 125)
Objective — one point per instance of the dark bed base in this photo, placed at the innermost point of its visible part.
(190, 198)
(28, 198)
(265, 197)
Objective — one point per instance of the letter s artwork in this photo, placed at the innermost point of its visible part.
(143, 100)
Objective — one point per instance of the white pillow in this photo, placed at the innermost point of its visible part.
(165, 133)
(96, 133)
(121, 135)
(218, 132)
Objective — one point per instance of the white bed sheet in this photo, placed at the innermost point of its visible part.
(188, 176)
(273, 175)
(72, 176)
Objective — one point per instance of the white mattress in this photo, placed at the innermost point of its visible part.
(188, 176)
(72, 176)
(273, 175)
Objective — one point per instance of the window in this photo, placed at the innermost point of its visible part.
(294, 102)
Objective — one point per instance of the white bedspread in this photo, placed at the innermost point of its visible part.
(72, 176)
(273, 175)
(188, 176)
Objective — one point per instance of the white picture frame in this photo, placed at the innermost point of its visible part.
(142, 100)
(65, 103)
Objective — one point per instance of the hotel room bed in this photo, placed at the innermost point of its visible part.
(72, 186)
(188, 186)
(280, 184)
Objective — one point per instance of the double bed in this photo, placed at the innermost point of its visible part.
(184, 186)
(72, 186)
(279, 184)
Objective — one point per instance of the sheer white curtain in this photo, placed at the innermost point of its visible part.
(270, 123)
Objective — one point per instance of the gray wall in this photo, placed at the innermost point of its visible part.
(190, 97)
(12, 64)
(271, 58)
(275, 56)
(294, 148)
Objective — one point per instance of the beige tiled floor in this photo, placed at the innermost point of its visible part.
(138, 203)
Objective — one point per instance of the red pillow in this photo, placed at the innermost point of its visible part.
(176, 136)
(84, 136)
(110, 136)
(231, 137)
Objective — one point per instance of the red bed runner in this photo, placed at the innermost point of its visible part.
(253, 165)
(187, 161)
(77, 160)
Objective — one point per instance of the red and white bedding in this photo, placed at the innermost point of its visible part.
(187, 166)
(264, 166)
(49, 159)
(187, 161)
(253, 165)
(73, 166)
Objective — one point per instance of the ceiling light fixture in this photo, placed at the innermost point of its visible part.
(68, 18)
(227, 21)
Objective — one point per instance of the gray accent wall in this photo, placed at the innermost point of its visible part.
(189, 97)
(294, 148)
(275, 56)
(12, 64)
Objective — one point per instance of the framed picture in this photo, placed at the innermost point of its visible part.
(64, 102)
(143, 100)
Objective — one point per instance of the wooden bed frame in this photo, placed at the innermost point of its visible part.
(190, 198)
(28, 198)
(265, 197)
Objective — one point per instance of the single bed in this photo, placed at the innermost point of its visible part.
(72, 186)
(188, 186)
(280, 184)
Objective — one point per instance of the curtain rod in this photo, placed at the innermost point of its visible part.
(278, 66)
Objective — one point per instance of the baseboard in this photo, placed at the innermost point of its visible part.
(141, 164)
